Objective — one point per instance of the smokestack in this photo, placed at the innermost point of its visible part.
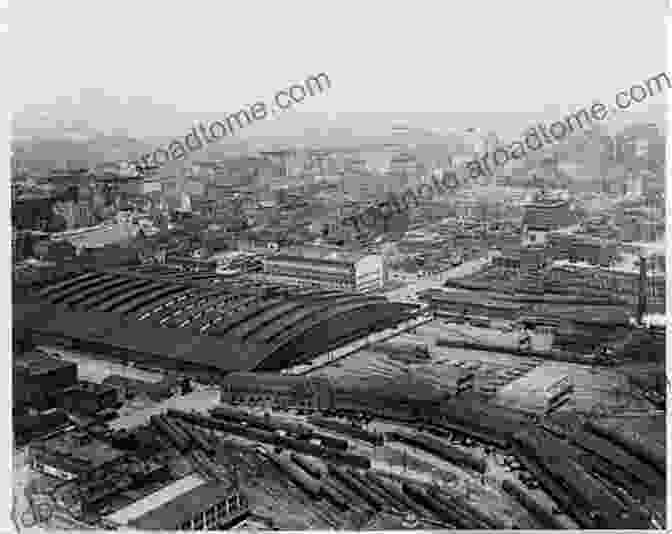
(643, 289)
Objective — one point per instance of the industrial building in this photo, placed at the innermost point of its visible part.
(543, 216)
(37, 376)
(199, 322)
(351, 272)
(276, 390)
(624, 279)
(190, 503)
(452, 304)
(542, 390)
(76, 455)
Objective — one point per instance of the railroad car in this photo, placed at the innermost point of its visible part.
(361, 489)
(298, 476)
(312, 467)
(633, 443)
(537, 509)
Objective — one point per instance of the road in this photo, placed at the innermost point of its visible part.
(408, 292)
(200, 401)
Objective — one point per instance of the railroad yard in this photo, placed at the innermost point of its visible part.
(307, 468)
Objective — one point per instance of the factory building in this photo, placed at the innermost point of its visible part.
(190, 503)
(275, 390)
(623, 279)
(541, 391)
(37, 376)
(361, 273)
(543, 216)
(76, 455)
(450, 304)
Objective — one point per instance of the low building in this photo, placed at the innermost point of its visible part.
(75, 455)
(353, 272)
(464, 303)
(622, 279)
(37, 376)
(543, 216)
(130, 388)
(86, 398)
(187, 504)
(542, 390)
(272, 389)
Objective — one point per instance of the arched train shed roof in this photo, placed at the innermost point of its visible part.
(272, 325)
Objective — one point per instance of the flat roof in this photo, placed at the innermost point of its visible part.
(93, 454)
(171, 514)
(38, 362)
(302, 259)
(151, 502)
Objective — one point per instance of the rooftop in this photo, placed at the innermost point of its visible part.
(88, 452)
(38, 362)
(157, 499)
(173, 513)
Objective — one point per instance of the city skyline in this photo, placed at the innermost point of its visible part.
(168, 88)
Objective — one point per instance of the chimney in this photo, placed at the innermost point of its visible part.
(643, 289)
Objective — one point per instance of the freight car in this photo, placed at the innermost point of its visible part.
(469, 513)
(632, 442)
(353, 460)
(264, 436)
(396, 494)
(361, 489)
(618, 456)
(554, 489)
(537, 509)
(345, 428)
(445, 513)
(374, 488)
(266, 422)
(176, 439)
(297, 475)
(441, 449)
(313, 468)
(274, 424)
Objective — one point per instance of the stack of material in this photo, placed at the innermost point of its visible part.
(542, 390)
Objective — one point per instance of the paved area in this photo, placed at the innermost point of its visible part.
(200, 401)
(415, 285)
(97, 369)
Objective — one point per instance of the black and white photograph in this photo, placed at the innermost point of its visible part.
(337, 266)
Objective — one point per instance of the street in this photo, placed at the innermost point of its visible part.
(415, 285)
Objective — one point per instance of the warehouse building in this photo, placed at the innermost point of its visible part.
(351, 272)
(273, 390)
(190, 503)
(466, 303)
(37, 376)
(75, 455)
(542, 390)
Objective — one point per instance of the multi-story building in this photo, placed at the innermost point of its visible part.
(623, 279)
(349, 271)
(36, 376)
(543, 216)
(580, 247)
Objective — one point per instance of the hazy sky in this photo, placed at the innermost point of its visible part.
(140, 61)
